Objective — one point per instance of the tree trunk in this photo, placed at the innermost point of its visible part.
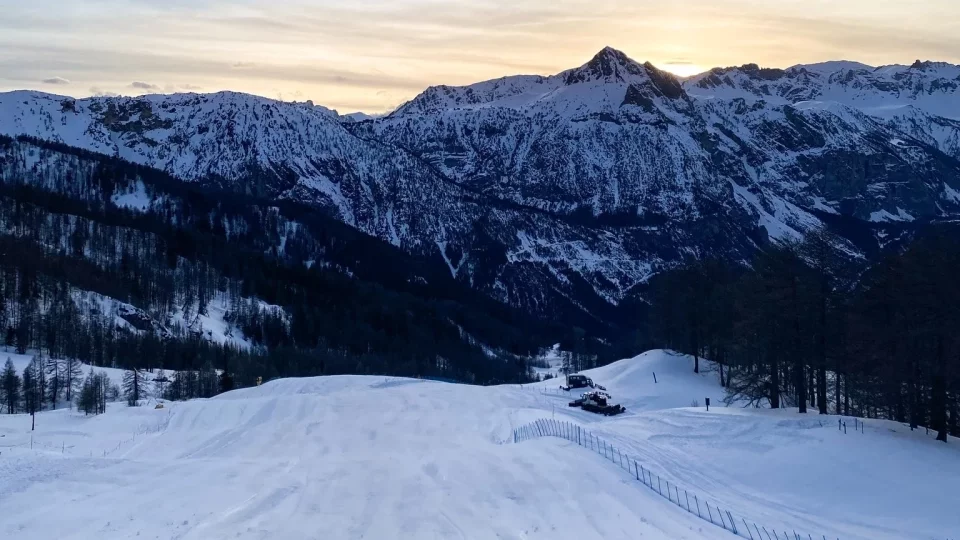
(720, 359)
(953, 425)
(938, 404)
(836, 389)
(799, 379)
(774, 381)
(915, 397)
(846, 396)
(822, 365)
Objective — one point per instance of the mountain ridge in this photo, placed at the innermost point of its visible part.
(565, 193)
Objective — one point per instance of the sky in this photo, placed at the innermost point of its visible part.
(373, 55)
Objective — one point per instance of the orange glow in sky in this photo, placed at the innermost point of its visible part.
(373, 55)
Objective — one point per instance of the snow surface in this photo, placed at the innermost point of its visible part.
(138, 199)
(374, 457)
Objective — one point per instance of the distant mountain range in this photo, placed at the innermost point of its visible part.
(562, 194)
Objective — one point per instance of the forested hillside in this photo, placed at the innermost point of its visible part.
(808, 327)
(121, 265)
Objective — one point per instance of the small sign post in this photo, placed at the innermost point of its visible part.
(708, 404)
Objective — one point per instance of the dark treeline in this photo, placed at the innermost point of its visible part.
(310, 294)
(807, 327)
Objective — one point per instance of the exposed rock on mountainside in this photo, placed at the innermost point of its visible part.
(560, 194)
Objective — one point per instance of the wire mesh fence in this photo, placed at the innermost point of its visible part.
(687, 500)
(34, 441)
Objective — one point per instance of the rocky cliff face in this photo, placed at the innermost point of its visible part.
(561, 194)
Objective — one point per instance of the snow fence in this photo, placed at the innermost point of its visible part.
(687, 500)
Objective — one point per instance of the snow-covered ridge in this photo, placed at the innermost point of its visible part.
(932, 87)
(600, 85)
(581, 184)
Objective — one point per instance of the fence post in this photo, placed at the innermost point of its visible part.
(687, 496)
(720, 513)
(668, 490)
(760, 536)
(635, 469)
(777, 536)
(709, 511)
(733, 524)
(699, 515)
(659, 486)
(677, 492)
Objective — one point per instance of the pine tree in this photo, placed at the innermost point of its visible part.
(10, 386)
(159, 381)
(31, 398)
(54, 369)
(102, 391)
(40, 380)
(72, 377)
(133, 389)
(87, 398)
(207, 381)
(226, 382)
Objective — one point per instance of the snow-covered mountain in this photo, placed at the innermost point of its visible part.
(933, 87)
(565, 192)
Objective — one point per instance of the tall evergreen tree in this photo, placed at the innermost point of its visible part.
(133, 386)
(54, 370)
(10, 386)
(31, 384)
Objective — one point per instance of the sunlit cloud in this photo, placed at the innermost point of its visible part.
(371, 55)
(55, 80)
(137, 85)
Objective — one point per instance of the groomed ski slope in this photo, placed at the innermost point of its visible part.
(371, 457)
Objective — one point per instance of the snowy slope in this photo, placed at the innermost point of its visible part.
(777, 467)
(368, 457)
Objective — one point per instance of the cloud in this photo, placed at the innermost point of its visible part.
(190, 87)
(243, 65)
(96, 92)
(679, 63)
(143, 86)
(55, 80)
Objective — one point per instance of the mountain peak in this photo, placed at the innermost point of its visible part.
(609, 64)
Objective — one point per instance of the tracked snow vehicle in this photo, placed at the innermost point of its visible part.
(597, 402)
(580, 381)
